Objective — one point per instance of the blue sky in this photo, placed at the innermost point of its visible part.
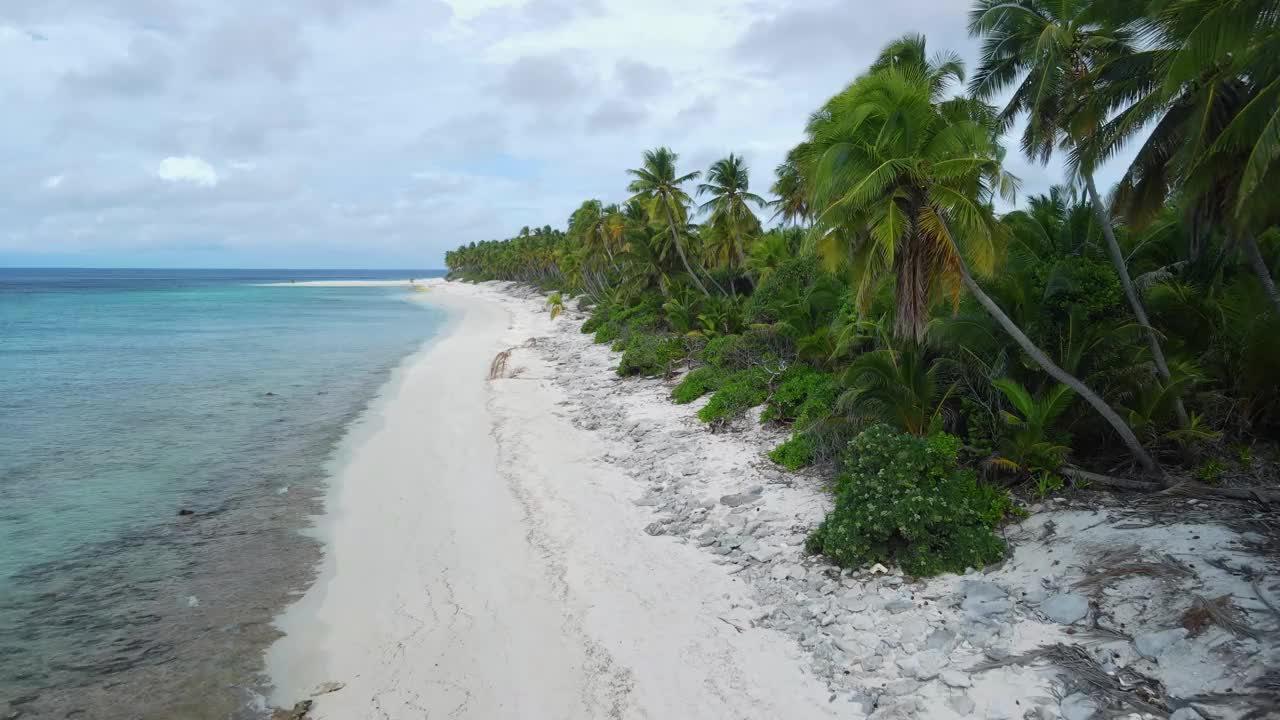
(380, 133)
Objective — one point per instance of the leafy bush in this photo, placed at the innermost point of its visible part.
(1077, 283)
(803, 394)
(740, 391)
(610, 322)
(795, 453)
(650, 355)
(736, 352)
(782, 286)
(697, 383)
(905, 499)
(607, 332)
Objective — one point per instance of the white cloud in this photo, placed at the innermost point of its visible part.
(410, 124)
(189, 169)
(53, 182)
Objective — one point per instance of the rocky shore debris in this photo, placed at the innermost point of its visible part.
(1081, 621)
(300, 711)
(326, 688)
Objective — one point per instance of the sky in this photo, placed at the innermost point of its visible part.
(380, 133)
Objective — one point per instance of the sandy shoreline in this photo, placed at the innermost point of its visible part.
(567, 544)
(483, 563)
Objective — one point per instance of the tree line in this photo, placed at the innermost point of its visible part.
(1141, 325)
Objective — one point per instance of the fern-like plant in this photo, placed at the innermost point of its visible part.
(1030, 446)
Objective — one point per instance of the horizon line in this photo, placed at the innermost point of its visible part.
(159, 267)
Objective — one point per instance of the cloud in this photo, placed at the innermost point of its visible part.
(809, 35)
(286, 128)
(615, 115)
(248, 44)
(543, 81)
(187, 169)
(554, 12)
(700, 110)
(144, 71)
(640, 79)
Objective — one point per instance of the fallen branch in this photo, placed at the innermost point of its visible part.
(1189, 489)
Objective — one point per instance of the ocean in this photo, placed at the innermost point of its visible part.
(165, 438)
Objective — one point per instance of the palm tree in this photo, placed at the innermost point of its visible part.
(587, 226)
(904, 172)
(728, 184)
(659, 187)
(1056, 47)
(792, 204)
(1209, 85)
(768, 254)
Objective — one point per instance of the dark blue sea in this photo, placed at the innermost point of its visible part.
(164, 441)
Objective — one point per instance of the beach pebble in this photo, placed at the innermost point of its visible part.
(328, 687)
(962, 704)
(940, 639)
(899, 605)
(1078, 706)
(922, 666)
(905, 686)
(1152, 645)
(983, 599)
(764, 554)
(955, 678)
(654, 528)
(742, 498)
(1066, 608)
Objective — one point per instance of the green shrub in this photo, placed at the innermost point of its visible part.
(803, 393)
(739, 392)
(650, 355)
(697, 383)
(782, 286)
(794, 453)
(607, 331)
(614, 322)
(1075, 283)
(905, 499)
(736, 352)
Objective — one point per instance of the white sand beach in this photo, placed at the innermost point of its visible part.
(350, 283)
(561, 543)
(484, 562)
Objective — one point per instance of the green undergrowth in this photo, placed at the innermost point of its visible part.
(698, 382)
(651, 355)
(796, 453)
(905, 499)
(738, 392)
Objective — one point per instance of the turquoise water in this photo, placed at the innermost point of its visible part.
(127, 397)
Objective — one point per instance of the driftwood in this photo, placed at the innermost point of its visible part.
(1189, 489)
(498, 367)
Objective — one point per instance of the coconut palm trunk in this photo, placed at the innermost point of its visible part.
(1130, 292)
(675, 240)
(1259, 265)
(1049, 366)
(742, 257)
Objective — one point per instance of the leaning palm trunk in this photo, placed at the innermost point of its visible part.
(1135, 302)
(742, 257)
(1050, 367)
(1259, 265)
(675, 239)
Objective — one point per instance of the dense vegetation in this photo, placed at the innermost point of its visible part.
(893, 316)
